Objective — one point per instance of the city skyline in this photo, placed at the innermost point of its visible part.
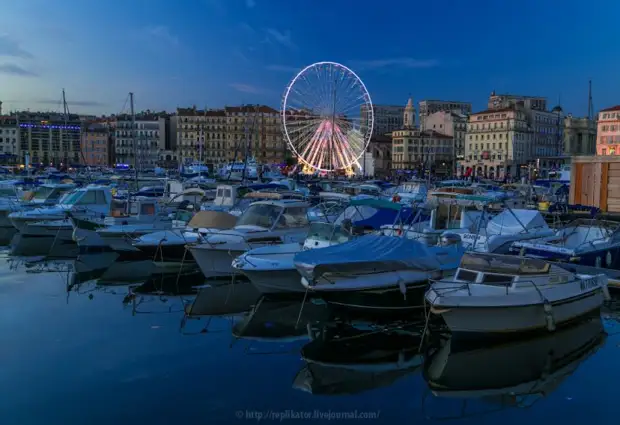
(229, 52)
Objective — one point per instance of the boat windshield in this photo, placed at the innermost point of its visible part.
(263, 215)
(71, 198)
(504, 264)
(42, 192)
(328, 232)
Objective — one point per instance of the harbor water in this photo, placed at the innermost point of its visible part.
(129, 344)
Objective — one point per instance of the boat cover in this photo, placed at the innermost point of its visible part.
(213, 220)
(367, 254)
(505, 222)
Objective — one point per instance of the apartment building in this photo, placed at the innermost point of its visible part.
(95, 144)
(49, 139)
(429, 107)
(9, 134)
(453, 124)
(608, 131)
(386, 118)
(141, 147)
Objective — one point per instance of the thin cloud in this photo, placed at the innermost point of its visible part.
(247, 28)
(396, 63)
(73, 102)
(11, 48)
(246, 88)
(283, 68)
(283, 38)
(161, 33)
(250, 3)
(15, 70)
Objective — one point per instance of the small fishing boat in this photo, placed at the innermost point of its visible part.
(500, 294)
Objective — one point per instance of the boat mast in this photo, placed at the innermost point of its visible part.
(65, 111)
(133, 138)
(66, 114)
(202, 138)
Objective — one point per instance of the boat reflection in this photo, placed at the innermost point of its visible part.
(280, 320)
(349, 360)
(226, 300)
(513, 374)
(50, 247)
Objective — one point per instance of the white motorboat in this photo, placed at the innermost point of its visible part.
(42, 196)
(502, 230)
(587, 242)
(493, 293)
(272, 268)
(170, 245)
(377, 271)
(145, 215)
(263, 223)
(90, 202)
(238, 171)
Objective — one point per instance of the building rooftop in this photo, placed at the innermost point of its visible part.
(613, 108)
(445, 101)
(250, 109)
(493, 111)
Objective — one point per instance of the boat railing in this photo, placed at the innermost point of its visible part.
(460, 285)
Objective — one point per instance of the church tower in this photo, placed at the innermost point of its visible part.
(409, 115)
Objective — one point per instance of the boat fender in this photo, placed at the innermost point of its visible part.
(605, 289)
(402, 287)
(598, 262)
(549, 316)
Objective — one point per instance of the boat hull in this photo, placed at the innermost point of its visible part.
(215, 262)
(276, 281)
(526, 318)
(393, 291)
(167, 253)
(605, 258)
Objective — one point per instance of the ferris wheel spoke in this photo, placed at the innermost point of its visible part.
(307, 140)
(304, 125)
(311, 96)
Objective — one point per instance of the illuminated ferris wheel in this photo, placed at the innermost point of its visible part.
(327, 117)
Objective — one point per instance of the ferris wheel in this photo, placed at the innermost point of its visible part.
(327, 117)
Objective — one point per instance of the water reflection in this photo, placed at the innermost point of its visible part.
(516, 373)
(278, 320)
(49, 247)
(349, 360)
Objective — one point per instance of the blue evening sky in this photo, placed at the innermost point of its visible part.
(226, 52)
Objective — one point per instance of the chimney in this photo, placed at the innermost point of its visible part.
(0, 108)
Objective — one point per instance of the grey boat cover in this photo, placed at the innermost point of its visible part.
(368, 254)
